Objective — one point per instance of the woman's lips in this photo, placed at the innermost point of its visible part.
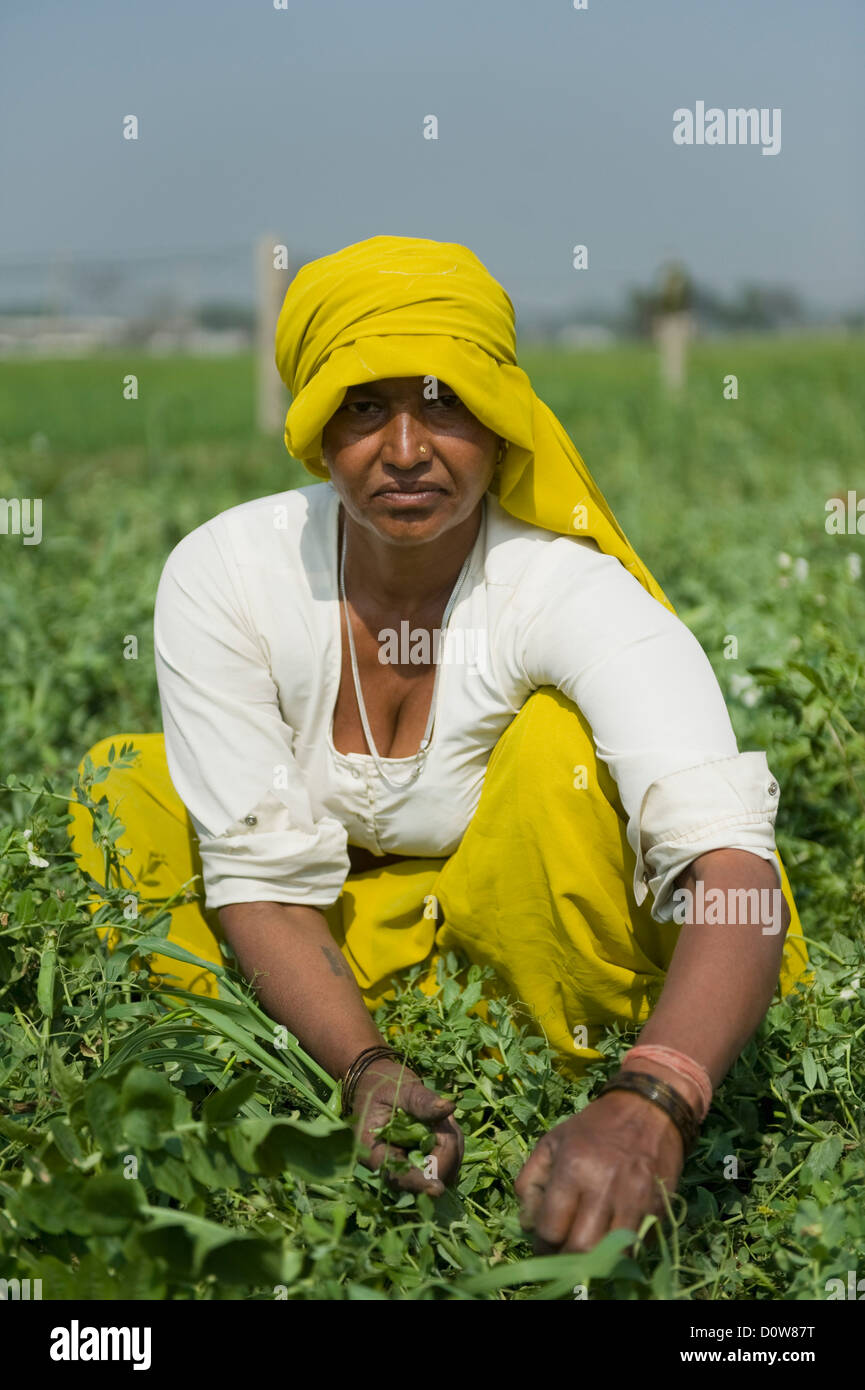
(400, 498)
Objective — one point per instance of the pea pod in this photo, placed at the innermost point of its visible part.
(407, 1133)
(45, 982)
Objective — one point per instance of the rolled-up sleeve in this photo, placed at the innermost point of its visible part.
(228, 747)
(657, 715)
(728, 804)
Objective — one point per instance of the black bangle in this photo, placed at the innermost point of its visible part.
(665, 1097)
(356, 1070)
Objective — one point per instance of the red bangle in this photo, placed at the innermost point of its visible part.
(680, 1063)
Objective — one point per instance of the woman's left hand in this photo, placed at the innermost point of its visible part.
(597, 1172)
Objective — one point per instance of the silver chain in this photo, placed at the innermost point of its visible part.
(421, 755)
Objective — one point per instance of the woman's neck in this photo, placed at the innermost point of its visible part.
(404, 579)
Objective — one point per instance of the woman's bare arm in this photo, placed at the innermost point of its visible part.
(721, 978)
(304, 981)
(302, 978)
(598, 1170)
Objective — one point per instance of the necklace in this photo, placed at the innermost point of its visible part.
(421, 755)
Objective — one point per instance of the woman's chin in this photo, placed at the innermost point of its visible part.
(424, 520)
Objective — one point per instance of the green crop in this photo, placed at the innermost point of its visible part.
(407, 1133)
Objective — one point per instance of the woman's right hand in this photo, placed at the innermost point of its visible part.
(387, 1084)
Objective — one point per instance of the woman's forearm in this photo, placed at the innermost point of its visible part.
(302, 978)
(721, 977)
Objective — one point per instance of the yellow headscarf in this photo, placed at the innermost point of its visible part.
(404, 306)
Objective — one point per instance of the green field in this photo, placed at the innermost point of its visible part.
(242, 1190)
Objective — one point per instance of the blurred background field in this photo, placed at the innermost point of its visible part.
(710, 491)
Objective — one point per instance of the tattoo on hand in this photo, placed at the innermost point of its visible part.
(337, 962)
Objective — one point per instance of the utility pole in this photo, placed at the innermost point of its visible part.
(271, 283)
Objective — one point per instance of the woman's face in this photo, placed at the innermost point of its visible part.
(406, 466)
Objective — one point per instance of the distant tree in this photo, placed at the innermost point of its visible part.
(752, 307)
(672, 293)
(217, 315)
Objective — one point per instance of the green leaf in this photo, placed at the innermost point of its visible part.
(85, 1206)
(247, 1260)
(810, 674)
(472, 993)
(211, 1164)
(147, 1104)
(824, 1155)
(170, 1175)
(313, 1149)
(55, 1207)
(204, 1247)
(224, 1105)
(809, 1069)
(20, 1134)
(66, 1081)
(102, 1107)
(155, 945)
(65, 1139)
(93, 1281)
(561, 1269)
(113, 1202)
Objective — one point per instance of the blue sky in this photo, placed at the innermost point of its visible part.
(555, 127)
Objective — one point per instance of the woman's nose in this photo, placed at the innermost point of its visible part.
(405, 441)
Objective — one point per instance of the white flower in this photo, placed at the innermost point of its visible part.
(784, 560)
(853, 565)
(744, 686)
(851, 991)
(800, 568)
(740, 683)
(34, 858)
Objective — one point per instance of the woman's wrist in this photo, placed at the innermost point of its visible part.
(368, 1070)
(629, 1103)
(656, 1094)
(686, 1088)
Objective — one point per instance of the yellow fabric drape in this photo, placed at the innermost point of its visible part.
(406, 306)
(540, 887)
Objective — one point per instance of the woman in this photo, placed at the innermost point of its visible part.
(439, 702)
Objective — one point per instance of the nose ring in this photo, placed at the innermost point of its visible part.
(421, 448)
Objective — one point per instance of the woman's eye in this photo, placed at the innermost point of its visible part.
(448, 399)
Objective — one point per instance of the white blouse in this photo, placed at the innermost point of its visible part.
(248, 660)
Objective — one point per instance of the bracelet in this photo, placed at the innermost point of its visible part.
(662, 1095)
(358, 1067)
(681, 1063)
